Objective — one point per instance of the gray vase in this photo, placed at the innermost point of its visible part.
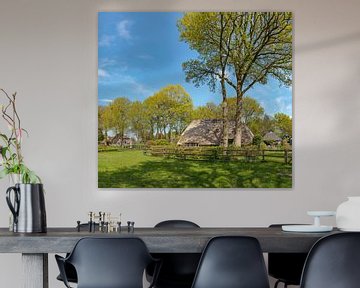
(27, 204)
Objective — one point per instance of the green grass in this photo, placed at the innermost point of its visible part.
(133, 169)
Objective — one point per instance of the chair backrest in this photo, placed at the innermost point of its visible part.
(178, 269)
(110, 262)
(333, 262)
(176, 224)
(232, 262)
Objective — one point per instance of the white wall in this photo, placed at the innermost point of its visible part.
(48, 54)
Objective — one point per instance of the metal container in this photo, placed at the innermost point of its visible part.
(28, 207)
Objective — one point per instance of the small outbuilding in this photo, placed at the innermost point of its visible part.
(271, 138)
(122, 141)
(209, 132)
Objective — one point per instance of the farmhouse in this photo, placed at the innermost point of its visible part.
(122, 141)
(208, 132)
(271, 138)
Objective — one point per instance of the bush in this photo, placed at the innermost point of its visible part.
(157, 142)
(257, 140)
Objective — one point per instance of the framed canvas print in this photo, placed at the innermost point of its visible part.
(195, 100)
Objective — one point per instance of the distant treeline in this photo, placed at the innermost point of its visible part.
(169, 111)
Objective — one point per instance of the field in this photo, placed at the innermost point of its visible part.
(133, 169)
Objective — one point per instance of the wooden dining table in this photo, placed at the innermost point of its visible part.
(35, 247)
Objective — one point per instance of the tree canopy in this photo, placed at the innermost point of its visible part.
(239, 49)
(165, 114)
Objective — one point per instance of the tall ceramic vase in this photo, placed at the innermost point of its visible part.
(27, 204)
(348, 215)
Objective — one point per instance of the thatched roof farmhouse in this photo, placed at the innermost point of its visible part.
(122, 140)
(208, 132)
(271, 137)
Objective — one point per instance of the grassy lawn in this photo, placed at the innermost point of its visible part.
(133, 169)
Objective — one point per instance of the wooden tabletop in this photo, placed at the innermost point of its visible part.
(158, 240)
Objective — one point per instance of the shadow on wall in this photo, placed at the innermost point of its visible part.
(342, 40)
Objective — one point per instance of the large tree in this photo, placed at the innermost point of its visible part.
(283, 123)
(208, 111)
(214, 50)
(251, 110)
(255, 45)
(118, 114)
(138, 122)
(168, 111)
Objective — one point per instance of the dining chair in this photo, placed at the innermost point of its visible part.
(178, 269)
(108, 263)
(286, 267)
(70, 271)
(333, 262)
(232, 262)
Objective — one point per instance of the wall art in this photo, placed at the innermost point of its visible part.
(195, 100)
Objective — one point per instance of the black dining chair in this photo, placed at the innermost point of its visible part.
(108, 263)
(178, 269)
(70, 271)
(286, 267)
(232, 262)
(333, 262)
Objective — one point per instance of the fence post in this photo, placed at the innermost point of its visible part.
(263, 155)
(286, 156)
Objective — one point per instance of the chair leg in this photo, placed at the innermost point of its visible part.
(278, 282)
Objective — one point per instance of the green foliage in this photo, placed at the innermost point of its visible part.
(257, 140)
(11, 158)
(209, 111)
(138, 121)
(239, 49)
(101, 136)
(158, 142)
(169, 111)
(260, 126)
(251, 109)
(263, 146)
(283, 123)
(285, 144)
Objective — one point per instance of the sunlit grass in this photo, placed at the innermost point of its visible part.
(133, 169)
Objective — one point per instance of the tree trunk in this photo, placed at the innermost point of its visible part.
(225, 109)
(239, 103)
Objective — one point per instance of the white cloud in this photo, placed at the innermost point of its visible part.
(106, 40)
(283, 105)
(123, 28)
(136, 86)
(106, 100)
(126, 81)
(106, 62)
(103, 73)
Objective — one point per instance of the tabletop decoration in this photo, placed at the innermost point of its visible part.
(348, 214)
(25, 197)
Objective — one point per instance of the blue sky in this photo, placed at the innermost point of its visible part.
(139, 53)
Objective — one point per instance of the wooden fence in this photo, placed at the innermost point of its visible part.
(212, 154)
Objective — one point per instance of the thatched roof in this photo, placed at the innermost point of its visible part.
(208, 132)
(118, 140)
(271, 137)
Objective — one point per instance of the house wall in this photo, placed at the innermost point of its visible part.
(48, 54)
